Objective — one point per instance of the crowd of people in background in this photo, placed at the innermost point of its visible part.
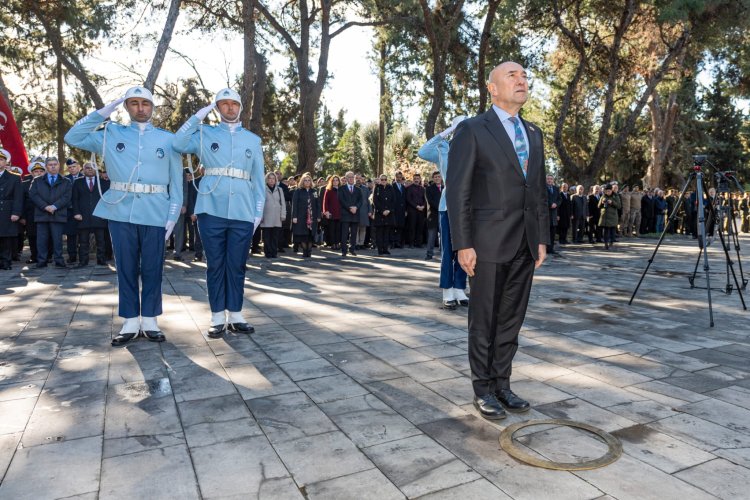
(607, 212)
(346, 214)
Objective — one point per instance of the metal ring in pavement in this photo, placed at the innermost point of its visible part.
(613, 453)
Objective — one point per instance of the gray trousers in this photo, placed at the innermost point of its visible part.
(179, 235)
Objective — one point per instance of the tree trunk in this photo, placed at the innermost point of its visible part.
(69, 61)
(607, 142)
(382, 116)
(60, 115)
(4, 91)
(307, 141)
(484, 45)
(164, 41)
(248, 61)
(259, 94)
(663, 120)
(439, 42)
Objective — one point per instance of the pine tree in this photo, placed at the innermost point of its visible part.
(724, 124)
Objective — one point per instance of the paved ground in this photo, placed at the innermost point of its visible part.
(355, 385)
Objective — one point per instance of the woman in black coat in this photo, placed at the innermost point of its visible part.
(384, 204)
(305, 214)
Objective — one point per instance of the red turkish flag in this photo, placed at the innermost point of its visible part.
(10, 137)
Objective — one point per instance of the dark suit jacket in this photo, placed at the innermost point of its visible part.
(192, 197)
(59, 195)
(415, 196)
(84, 203)
(300, 200)
(399, 204)
(72, 225)
(28, 205)
(594, 210)
(647, 207)
(579, 206)
(553, 196)
(432, 193)
(490, 203)
(383, 199)
(564, 210)
(348, 199)
(11, 203)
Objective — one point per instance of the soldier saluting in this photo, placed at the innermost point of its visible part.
(229, 205)
(142, 204)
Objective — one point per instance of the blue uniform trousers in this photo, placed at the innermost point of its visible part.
(452, 274)
(226, 244)
(139, 253)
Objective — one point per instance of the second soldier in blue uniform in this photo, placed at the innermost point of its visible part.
(142, 204)
(229, 206)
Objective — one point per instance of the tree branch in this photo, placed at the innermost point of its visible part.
(278, 27)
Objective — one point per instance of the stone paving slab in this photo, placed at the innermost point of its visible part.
(357, 385)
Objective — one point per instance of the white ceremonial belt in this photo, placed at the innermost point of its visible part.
(237, 173)
(138, 188)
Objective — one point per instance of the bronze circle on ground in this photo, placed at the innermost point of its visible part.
(613, 453)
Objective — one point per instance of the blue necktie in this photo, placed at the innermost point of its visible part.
(51, 180)
(520, 144)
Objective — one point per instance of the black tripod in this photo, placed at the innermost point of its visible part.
(723, 210)
(700, 187)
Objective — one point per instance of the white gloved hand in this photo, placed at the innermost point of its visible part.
(445, 133)
(109, 108)
(203, 112)
(169, 227)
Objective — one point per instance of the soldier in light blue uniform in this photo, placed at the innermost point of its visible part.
(229, 206)
(452, 276)
(142, 204)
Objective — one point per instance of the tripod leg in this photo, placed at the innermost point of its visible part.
(673, 216)
(701, 186)
(730, 267)
(736, 241)
(691, 279)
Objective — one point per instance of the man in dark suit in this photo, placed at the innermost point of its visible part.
(37, 170)
(415, 212)
(350, 199)
(564, 214)
(71, 226)
(11, 209)
(647, 213)
(497, 205)
(580, 210)
(85, 197)
(51, 195)
(553, 202)
(594, 212)
(433, 192)
(399, 211)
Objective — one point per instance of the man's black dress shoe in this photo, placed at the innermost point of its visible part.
(123, 338)
(353, 253)
(489, 407)
(450, 304)
(60, 264)
(511, 402)
(216, 331)
(241, 328)
(154, 336)
(464, 302)
(40, 266)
